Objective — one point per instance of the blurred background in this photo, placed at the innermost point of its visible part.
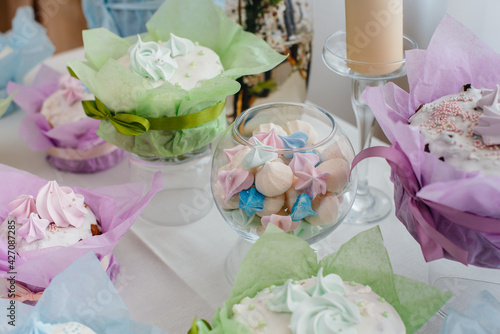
(64, 21)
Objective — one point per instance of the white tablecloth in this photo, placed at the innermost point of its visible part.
(171, 274)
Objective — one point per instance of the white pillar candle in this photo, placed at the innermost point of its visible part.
(374, 34)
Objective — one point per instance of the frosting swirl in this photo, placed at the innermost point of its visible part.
(22, 206)
(33, 228)
(71, 88)
(489, 122)
(323, 285)
(179, 46)
(329, 313)
(150, 60)
(60, 205)
(286, 297)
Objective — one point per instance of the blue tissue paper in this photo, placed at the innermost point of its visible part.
(21, 49)
(482, 316)
(83, 293)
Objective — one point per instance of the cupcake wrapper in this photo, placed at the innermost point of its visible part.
(116, 207)
(451, 213)
(80, 136)
(92, 165)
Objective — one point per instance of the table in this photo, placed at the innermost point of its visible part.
(171, 274)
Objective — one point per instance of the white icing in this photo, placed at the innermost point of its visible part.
(60, 236)
(193, 69)
(58, 111)
(255, 313)
(458, 149)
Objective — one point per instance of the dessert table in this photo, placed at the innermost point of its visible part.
(172, 274)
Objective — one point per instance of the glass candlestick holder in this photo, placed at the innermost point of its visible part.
(370, 204)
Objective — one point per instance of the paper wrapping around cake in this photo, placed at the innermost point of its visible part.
(115, 207)
(121, 90)
(73, 146)
(278, 256)
(455, 57)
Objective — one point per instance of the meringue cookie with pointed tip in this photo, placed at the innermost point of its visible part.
(33, 228)
(300, 125)
(179, 46)
(258, 155)
(22, 206)
(238, 157)
(268, 138)
(273, 179)
(251, 201)
(283, 222)
(311, 180)
(339, 174)
(326, 284)
(302, 208)
(327, 209)
(272, 205)
(231, 152)
(266, 127)
(234, 181)
(293, 141)
(60, 205)
(299, 160)
(220, 197)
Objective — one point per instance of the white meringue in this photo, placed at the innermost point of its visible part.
(273, 179)
(272, 205)
(327, 208)
(339, 174)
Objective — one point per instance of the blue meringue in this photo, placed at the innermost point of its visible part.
(297, 139)
(302, 208)
(251, 201)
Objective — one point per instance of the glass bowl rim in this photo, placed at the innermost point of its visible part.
(305, 149)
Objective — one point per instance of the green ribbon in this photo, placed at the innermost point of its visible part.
(133, 125)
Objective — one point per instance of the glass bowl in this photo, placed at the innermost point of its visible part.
(285, 164)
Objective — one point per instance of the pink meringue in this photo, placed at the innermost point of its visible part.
(230, 152)
(268, 138)
(299, 160)
(311, 180)
(33, 228)
(234, 181)
(22, 206)
(273, 179)
(283, 222)
(60, 205)
(339, 174)
(219, 194)
(238, 158)
(72, 89)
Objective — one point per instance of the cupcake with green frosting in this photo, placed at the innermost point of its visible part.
(163, 93)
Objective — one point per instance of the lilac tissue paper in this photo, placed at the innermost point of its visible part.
(116, 207)
(451, 213)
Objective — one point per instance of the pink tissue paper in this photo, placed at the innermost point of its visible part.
(93, 154)
(116, 207)
(451, 213)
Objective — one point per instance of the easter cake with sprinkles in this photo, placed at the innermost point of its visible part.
(463, 129)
